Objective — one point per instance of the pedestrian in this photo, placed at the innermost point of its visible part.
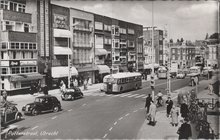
(184, 110)
(152, 113)
(45, 90)
(169, 104)
(85, 84)
(62, 87)
(174, 115)
(210, 87)
(32, 89)
(159, 99)
(76, 82)
(147, 103)
(4, 95)
(185, 131)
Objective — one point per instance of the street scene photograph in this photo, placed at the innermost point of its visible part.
(106, 69)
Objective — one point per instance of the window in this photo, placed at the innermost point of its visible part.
(32, 54)
(4, 71)
(13, 55)
(34, 69)
(34, 46)
(30, 46)
(23, 55)
(130, 31)
(99, 25)
(26, 46)
(17, 45)
(173, 50)
(4, 4)
(4, 45)
(31, 69)
(13, 6)
(22, 70)
(21, 8)
(22, 45)
(2, 55)
(12, 45)
(26, 28)
(26, 69)
(3, 86)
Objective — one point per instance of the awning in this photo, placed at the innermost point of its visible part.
(26, 77)
(149, 66)
(58, 72)
(100, 52)
(62, 51)
(103, 69)
(62, 33)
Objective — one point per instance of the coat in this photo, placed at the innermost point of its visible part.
(185, 131)
(174, 115)
(152, 111)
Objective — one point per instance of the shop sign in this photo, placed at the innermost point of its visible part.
(22, 63)
(14, 63)
(4, 63)
(60, 22)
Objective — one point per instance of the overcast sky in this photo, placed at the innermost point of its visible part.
(188, 19)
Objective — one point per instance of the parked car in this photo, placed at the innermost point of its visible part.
(72, 94)
(42, 104)
(10, 113)
(7, 130)
(207, 70)
(180, 76)
(172, 74)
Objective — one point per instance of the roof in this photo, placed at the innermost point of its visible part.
(123, 75)
(45, 96)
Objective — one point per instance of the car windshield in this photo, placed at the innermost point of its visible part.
(39, 100)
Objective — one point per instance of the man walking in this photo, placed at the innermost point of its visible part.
(185, 131)
(169, 103)
(148, 102)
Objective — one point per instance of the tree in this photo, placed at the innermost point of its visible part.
(182, 40)
(214, 36)
(207, 36)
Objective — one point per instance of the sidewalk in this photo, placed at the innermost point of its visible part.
(163, 129)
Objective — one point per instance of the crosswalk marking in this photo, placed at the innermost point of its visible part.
(140, 96)
(145, 96)
(133, 95)
(124, 95)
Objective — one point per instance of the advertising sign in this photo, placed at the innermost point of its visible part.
(60, 21)
(13, 63)
(22, 63)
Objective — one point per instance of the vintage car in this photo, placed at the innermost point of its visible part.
(72, 94)
(7, 130)
(9, 113)
(42, 104)
(180, 76)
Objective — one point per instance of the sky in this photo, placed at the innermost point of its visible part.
(190, 20)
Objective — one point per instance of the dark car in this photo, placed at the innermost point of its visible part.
(9, 114)
(72, 94)
(42, 104)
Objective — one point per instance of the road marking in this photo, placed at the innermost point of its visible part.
(54, 117)
(127, 114)
(135, 111)
(117, 95)
(110, 129)
(125, 95)
(145, 96)
(34, 127)
(120, 118)
(108, 95)
(83, 104)
(139, 96)
(133, 95)
(115, 123)
(70, 109)
(142, 108)
(105, 136)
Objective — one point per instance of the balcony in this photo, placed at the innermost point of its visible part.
(16, 16)
(14, 36)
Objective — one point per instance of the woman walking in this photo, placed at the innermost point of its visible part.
(152, 113)
(174, 115)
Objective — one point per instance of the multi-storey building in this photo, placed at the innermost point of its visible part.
(183, 54)
(18, 47)
(158, 56)
(81, 26)
(120, 40)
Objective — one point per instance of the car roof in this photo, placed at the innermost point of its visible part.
(46, 96)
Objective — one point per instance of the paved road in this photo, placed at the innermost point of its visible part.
(97, 115)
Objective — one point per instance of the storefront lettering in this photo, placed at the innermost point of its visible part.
(28, 63)
(15, 63)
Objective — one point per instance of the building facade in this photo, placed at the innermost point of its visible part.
(158, 56)
(183, 54)
(19, 47)
(81, 26)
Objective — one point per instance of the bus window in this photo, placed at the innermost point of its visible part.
(123, 80)
(127, 80)
(119, 81)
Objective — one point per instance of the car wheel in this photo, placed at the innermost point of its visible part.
(34, 112)
(56, 109)
(18, 117)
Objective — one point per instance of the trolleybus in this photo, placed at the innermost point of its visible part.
(120, 82)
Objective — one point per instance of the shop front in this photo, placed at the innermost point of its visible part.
(102, 70)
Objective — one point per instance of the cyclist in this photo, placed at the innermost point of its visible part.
(159, 98)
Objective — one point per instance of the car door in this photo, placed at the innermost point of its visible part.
(10, 114)
(49, 103)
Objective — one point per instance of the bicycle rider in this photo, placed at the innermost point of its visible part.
(159, 98)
